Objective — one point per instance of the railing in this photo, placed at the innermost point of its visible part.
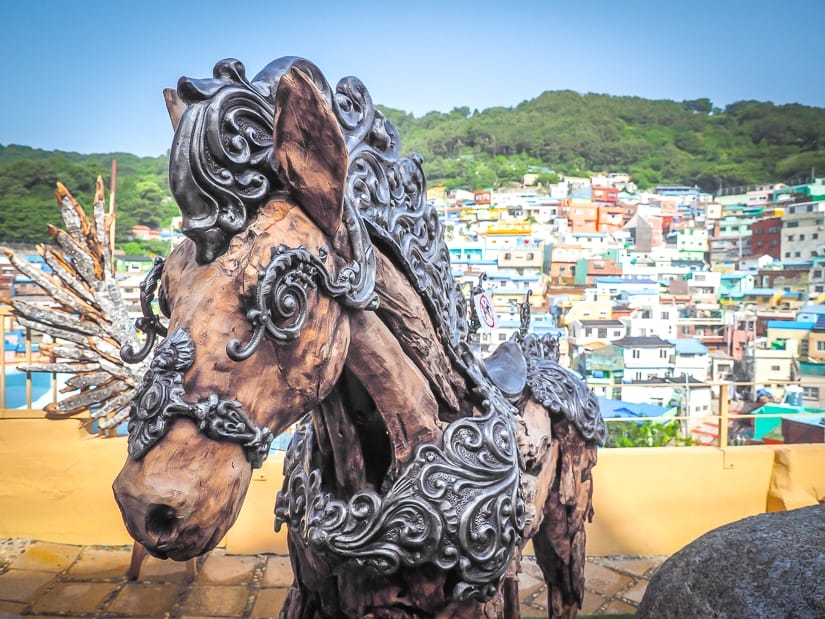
(711, 429)
(8, 363)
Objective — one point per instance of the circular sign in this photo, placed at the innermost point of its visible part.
(486, 313)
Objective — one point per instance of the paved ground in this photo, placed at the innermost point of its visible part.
(57, 580)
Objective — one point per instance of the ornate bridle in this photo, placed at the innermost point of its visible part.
(279, 312)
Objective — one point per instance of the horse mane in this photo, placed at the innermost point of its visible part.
(389, 193)
(231, 169)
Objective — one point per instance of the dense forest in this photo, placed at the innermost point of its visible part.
(27, 186)
(560, 132)
(656, 142)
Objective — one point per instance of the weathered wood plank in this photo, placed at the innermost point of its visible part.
(396, 385)
(404, 312)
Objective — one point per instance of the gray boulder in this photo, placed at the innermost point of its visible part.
(770, 565)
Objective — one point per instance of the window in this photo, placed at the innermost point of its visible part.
(790, 237)
(502, 337)
(636, 353)
(602, 332)
(638, 376)
(663, 353)
(820, 345)
(810, 392)
(665, 315)
(507, 256)
(801, 237)
(775, 368)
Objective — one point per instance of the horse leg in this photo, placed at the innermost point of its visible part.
(559, 543)
(138, 555)
(509, 588)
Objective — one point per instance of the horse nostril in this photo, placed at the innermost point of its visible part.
(161, 521)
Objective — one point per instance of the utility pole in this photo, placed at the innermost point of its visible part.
(112, 186)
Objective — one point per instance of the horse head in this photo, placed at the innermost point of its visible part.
(258, 298)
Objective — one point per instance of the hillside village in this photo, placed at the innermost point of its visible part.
(657, 297)
(672, 287)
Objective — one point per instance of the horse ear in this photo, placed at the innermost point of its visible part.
(309, 150)
(174, 105)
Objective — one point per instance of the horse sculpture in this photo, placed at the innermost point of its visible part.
(315, 282)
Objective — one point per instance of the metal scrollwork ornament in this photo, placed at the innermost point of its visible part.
(159, 400)
(458, 507)
(149, 323)
(281, 299)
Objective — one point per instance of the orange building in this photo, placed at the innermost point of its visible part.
(611, 218)
(583, 216)
(606, 195)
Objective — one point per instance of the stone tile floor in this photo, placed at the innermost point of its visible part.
(49, 580)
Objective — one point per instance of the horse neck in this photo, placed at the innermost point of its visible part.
(403, 312)
(397, 390)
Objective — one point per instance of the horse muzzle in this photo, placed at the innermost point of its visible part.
(189, 462)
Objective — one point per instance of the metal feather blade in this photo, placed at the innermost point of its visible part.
(85, 316)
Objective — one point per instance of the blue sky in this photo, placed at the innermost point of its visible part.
(87, 75)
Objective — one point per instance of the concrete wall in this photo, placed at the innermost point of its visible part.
(55, 485)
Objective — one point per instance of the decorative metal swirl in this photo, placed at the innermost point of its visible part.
(457, 507)
(281, 297)
(159, 400)
(389, 192)
(220, 169)
(149, 323)
(524, 315)
(221, 172)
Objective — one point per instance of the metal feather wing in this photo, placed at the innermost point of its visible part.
(85, 318)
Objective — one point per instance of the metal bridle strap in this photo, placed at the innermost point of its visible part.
(159, 400)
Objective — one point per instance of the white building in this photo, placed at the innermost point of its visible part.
(646, 357)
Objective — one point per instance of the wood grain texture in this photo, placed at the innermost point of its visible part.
(404, 313)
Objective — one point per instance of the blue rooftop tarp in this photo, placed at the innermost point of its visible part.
(689, 346)
(615, 409)
(791, 324)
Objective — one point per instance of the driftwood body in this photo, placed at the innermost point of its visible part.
(417, 480)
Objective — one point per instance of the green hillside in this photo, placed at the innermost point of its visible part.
(657, 142)
(27, 185)
(561, 132)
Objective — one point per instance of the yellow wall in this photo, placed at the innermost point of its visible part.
(651, 500)
(55, 485)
